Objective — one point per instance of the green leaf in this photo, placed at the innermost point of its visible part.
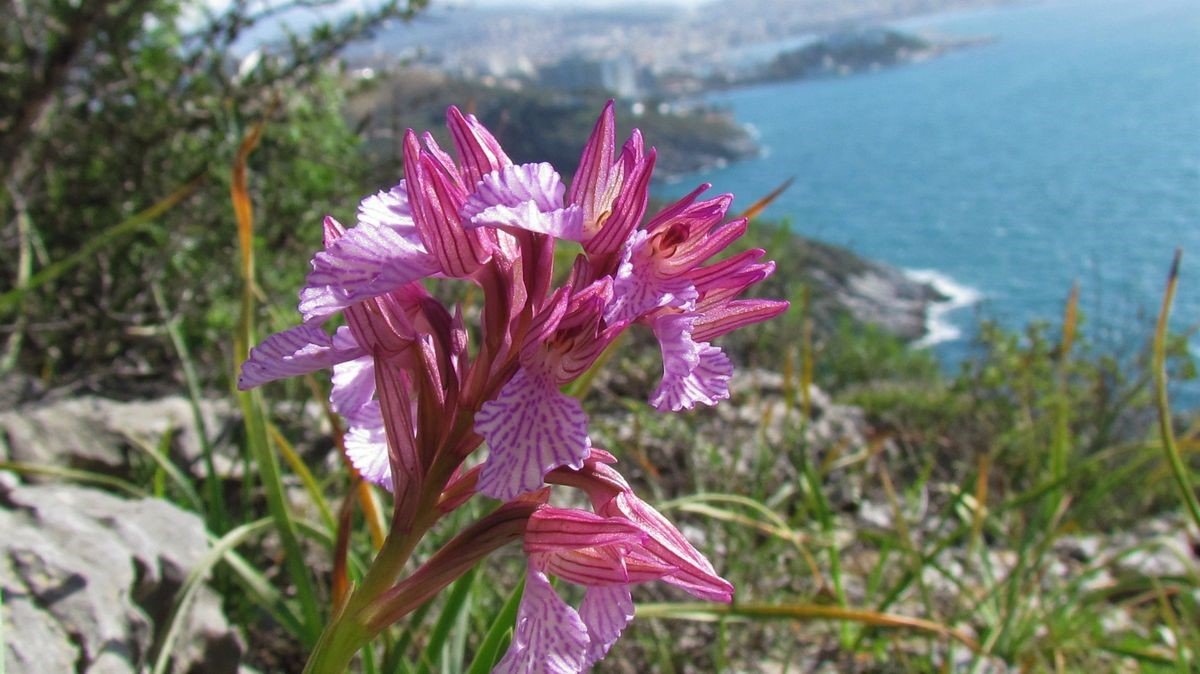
(498, 634)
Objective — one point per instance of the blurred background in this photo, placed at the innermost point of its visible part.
(974, 205)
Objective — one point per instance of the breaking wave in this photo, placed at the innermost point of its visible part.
(938, 327)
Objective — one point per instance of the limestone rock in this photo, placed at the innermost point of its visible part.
(89, 579)
(93, 433)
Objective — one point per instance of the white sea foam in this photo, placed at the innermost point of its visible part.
(938, 327)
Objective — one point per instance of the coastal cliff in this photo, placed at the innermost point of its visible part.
(535, 123)
(840, 286)
(869, 291)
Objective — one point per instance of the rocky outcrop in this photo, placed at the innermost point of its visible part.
(99, 434)
(884, 296)
(89, 580)
(843, 284)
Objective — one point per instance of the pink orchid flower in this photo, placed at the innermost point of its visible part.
(625, 542)
(421, 391)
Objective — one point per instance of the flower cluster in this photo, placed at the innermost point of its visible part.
(422, 387)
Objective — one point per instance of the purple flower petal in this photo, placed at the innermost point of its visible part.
(549, 637)
(638, 289)
(437, 197)
(729, 316)
(605, 611)
(591, 567)
(531, 428)
(590, 186)
(367, 261)
(707, 382)
(693, 372)
(553, 529)
(630, 197)
(527, 197)
(478, 150)
(295, 351)
(353, 386)
(388, 209)
(366, 446)
(665, 545)
(511, 185)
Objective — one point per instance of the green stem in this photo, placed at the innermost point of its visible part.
(347, 632)
(381, 602)
(338, 643)
(268, 471)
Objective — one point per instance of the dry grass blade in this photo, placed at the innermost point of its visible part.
(3, 647)
(240, 195)
(341, 550)
(257, 437)
(761, 205)
(979, 514)
(701, 504)
(75, 475)
(12, 346)
(1070, 322)
(710, 612)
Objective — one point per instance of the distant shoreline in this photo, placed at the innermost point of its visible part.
(831, 55)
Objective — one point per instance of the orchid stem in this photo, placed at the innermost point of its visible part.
(347, 631)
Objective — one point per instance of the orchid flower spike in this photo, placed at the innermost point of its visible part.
(423, 386)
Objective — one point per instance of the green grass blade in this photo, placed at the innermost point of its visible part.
(456, 602)
(268, 471)
(214, 509)
(498, 635)
(159, 481)
(455, 659)
(193, 583)
(395, 663)
(1145, 656)
(1178, 469)
(260, 590)
(74, 475)
(369, 666)
(825, 518)
(306, 477)
(162, 463)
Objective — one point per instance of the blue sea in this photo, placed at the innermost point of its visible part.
(1066, 150)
